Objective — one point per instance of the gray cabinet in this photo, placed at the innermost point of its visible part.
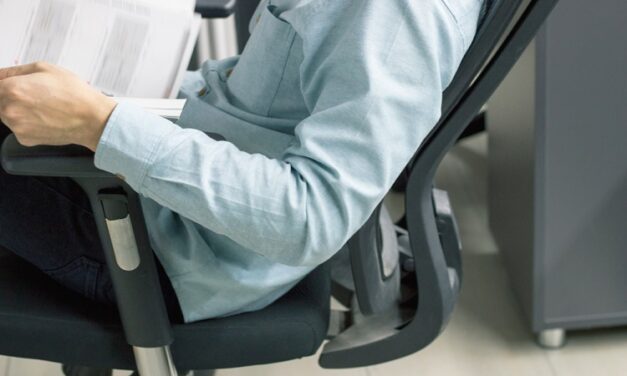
(558, 170)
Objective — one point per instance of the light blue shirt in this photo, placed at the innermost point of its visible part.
(322, 111)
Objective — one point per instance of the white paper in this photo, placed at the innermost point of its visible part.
(131, 48)
(168, 108)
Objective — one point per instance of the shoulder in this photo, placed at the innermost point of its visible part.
(465, 14)
(318, 18)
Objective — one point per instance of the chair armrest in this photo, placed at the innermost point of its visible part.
(122, 230)
(215, 8)
(62, 161)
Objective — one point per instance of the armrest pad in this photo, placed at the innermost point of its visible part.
(67, 161)
(215, 8)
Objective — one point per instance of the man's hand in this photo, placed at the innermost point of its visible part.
(46, 105)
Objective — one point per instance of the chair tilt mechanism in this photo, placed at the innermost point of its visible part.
(398, 307)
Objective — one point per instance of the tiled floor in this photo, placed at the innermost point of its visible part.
(487, 335)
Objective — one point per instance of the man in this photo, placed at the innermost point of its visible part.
(322, 111)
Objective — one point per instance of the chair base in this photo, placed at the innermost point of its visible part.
(84, 371)
(87, 371)
(191, 373)
(204, 373)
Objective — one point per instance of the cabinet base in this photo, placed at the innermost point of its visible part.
(552, 338)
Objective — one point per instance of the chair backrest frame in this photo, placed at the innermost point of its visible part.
(404, 329)
(377, 295)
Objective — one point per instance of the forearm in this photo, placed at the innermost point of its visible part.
(261, 203)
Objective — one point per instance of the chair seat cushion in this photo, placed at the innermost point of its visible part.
(42, 320)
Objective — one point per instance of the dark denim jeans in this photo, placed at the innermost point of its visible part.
(49, 223)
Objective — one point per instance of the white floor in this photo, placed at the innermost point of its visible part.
(487, 335)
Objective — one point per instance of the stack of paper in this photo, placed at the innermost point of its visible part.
(168, 108)
(130, 48)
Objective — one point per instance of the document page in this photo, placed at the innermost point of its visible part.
(130, 48)
(168, 108)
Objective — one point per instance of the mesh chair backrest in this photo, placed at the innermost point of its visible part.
(480, 74)
(377, 290)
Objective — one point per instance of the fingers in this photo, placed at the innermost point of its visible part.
(16, 89)
(22, 70)
(9, 96)
(7, 87)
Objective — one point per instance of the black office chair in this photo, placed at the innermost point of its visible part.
(401, 306)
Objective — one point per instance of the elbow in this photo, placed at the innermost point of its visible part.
(318, 241)
(329, 213)
(311, 255)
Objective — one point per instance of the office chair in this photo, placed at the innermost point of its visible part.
(400, 308)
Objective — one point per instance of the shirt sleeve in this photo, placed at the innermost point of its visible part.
(372, 76)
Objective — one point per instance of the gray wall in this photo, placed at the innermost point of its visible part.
(558, 182)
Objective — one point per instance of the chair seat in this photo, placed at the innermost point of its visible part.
(42, 320)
